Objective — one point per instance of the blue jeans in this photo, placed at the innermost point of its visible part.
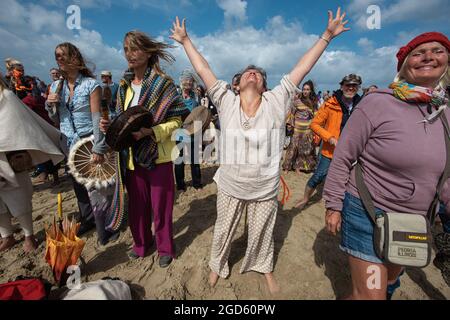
(320, 173)
(357, 230)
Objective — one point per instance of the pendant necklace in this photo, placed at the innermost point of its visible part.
(246, 123)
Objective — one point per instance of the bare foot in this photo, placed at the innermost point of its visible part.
(272, 283)
(301, 204)
(213, 277)
(7, 243)
(30, 244)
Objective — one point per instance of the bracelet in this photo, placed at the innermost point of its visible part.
(327, 41)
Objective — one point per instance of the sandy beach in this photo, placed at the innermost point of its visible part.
(308, 262)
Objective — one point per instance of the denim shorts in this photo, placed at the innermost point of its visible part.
(357, 230)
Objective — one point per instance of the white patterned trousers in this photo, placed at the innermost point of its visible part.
(261, 216)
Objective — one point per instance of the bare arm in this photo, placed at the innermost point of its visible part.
(199, 63)
(335, 27)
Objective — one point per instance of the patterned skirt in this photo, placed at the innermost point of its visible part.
(301, 152)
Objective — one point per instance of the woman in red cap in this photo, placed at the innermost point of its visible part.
(398, 138)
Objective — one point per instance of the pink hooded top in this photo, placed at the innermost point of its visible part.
(402, 159)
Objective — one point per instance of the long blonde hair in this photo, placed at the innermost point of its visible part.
(157, 50)
(73, 53)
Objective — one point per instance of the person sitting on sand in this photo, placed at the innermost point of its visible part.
(250, 183)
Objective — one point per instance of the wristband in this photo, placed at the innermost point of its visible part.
(327, 41)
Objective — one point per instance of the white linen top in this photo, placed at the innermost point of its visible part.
(250, 159)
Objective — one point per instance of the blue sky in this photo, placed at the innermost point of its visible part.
(230, 33)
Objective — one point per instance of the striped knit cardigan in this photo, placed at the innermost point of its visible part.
(160, 96)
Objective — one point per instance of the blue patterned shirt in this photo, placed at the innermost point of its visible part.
(75, 115)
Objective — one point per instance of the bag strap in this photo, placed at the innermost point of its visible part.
(431, 214)
(364, 193)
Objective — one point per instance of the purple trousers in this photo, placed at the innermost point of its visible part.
(151, 191)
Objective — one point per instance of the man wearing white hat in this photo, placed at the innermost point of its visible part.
(106, 76)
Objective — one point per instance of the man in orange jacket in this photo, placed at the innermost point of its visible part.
(328, 124)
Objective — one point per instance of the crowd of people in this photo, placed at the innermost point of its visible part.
(393, 134)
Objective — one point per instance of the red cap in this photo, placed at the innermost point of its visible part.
(417, 41)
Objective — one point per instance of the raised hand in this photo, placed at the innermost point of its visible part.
(336, 25)
(179, 33)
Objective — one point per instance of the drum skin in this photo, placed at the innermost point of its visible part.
(118, 135)
(87, 173)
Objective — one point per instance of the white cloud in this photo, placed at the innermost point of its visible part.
(276, 47)
(83, 4)
(406, 10)
(87, 4)
(234, 11)
(166, 6)
(400, 11)
(31, 32)
(365, 44)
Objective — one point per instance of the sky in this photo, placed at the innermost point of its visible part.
(231, 34)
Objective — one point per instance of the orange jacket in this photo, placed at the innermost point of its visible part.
(327, 124)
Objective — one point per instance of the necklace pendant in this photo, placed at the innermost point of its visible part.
(246, 125)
